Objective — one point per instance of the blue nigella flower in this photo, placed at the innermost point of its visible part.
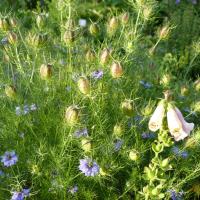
(73, 190)
(9, 158)
(88, 167)
(80, 133)
(145, 84)
(118, 145)
(20, 195)
(177, 152)
(98, 74)
(176, 195)
(148, 135)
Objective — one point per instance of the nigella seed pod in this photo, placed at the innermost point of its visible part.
(94, 29)
(127, 107)
(4, 24)
(72, 115)
(105, 56)
(45, 71)
(86, 144)
(12, 38)
(116, 70)
(112, 25)
(125, 18)
(164, 32)
(13, 22)
(90, 55)
(10, 91)
(40, 20)
(184, 90)
(118, 130)
(84, 85)
(69, 37)
(197, 85)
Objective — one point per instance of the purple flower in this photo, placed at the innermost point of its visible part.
(177, 152)
(178, 1)
(88, 167)
(26, 109)
(98, 74)
(176, 195)
(80, 133)
(33, 107)
(145, 84)
(73, 190)
(20, 195)
(9, 158)
(26, 192)
(118, 145)
(4, 41)
(148, 135)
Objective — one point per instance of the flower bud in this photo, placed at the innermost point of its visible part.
(197, 85)
(12, 37)
(125, 18)
(133, 155)
(165, 163)
(86, 144)
(118, 130)
(72, 115)
(184, 90)
(45, 71)
(116, 70)
(102, 172)
(84, 85)
(10, 91)
(105, 55)
(69, 36)
(90, 56)
(127, 107)
(94, 29)
(4, 24)
(13, 22)
(113, 25)
(147, 110)
(40, 20)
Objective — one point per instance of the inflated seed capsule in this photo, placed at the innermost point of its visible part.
(86, 144)
(12, 38)
(116, 70)
(4, 24)
(90, 55)
(94, 29)
(133, 155)
(184, 90)
(13, 22)
(105, 55)
(72, 115)
(112, 25)
(69, 36)
(84, 85)
(127, 108)
(118, 130)
(45, 71)
(10, 91)
(40, 20)
(125, 18)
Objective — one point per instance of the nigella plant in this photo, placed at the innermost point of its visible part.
(20, 195)
(98, 74)
(9, 158)
(81, 133)
(176, 195)
(177, 152)
(88, 167)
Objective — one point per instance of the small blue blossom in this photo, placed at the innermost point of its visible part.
(80, 133)
(73, 190)
(98, 74)
(145, 84)
(20, 195)
(4, 41)
(177, 152)
(82, 22)
(26, 109)
(33, 107)
(148, 135)
(176, 195)
(18, 110)
(9, 158)
(118, 145)
(88, 167)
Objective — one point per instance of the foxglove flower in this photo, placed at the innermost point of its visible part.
(156, 119)
(9, 158)
(177, 125)
(88, 167)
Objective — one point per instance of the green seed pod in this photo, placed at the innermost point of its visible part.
(86, 144)
(197, 85)
(10, 91)
(103, 171)
(112, 26)
(116, 70)
(90, 56)
(133, 155)
(184, 90)
(72, 115)
(105, 56)
(45, 71)
(4, 25)
(13, 22)
(94, 29)
(165, 80)
(69, 37)
(125, 18)
(127, 107)
(118, 130)
(12, 38)
(165, 163)
(40, 20)
(84, 85)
